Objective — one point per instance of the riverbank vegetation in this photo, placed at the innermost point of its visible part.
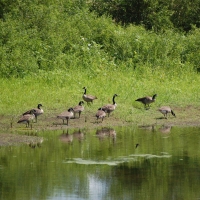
(50, 50)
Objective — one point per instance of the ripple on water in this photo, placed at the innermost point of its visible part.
(114, 162)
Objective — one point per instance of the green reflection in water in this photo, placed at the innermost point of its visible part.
(105, 164)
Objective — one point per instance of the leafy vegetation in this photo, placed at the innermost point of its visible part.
(48, 35)
(153, 14)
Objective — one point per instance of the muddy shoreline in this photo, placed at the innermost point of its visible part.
(13, 133)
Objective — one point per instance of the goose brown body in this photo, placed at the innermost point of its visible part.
(66, 115)
(25, 119)
(100, 114)
(79, 108)
(110, 107)
(147, 100)
(165, 110)
(36, 111)
(87, 97)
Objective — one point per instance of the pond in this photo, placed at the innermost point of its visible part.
(105, 163)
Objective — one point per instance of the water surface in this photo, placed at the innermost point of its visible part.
(104, 164)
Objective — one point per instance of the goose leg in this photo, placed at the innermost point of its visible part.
(67, 120)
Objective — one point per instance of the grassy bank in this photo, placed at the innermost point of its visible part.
(51, 51)
(59, 90)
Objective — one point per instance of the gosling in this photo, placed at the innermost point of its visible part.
(100, 114)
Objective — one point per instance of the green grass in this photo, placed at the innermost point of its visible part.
(59, 90)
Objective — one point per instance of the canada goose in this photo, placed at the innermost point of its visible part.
(66, 115)
(165, 110)
(36, 111)
(79, 108)
(87, 97)
(25, 119)
(100, 114)
(147, 100)
(110, 107)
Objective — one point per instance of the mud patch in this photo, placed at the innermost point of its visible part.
(148, 119)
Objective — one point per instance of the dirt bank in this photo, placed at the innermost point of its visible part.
(187, 116)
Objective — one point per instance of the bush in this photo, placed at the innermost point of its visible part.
(65, 35)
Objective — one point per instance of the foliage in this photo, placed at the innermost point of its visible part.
(157, 15)
(64, 35)
(185, 14)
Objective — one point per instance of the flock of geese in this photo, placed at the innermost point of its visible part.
(33, 113)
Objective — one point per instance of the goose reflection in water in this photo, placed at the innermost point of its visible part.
(79, 135)
(66, 137)
(165, 129)
(150, 128)
(36, 143)
(106, 132)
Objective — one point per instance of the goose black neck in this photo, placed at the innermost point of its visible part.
(114, 99)
(84, 90)
(173, 113)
